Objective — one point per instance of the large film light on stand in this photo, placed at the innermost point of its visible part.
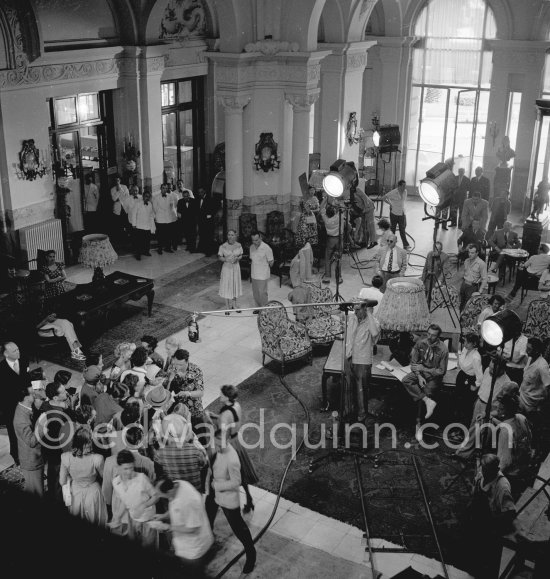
(501, 328)
(338, 179)
(387, 138)
(437, 188)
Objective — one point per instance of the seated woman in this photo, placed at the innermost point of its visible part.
(544, 283)
(301, 266)
(54, 275)
(150, 343)
(496, 303)
(384, 226)
(62, 328)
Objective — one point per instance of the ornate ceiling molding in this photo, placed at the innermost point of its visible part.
(270, 47)
(31, 75)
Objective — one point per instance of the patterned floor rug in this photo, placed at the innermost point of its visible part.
(394, 502)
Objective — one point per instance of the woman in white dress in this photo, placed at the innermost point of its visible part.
(230, 254)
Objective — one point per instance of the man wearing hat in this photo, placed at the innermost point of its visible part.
(178, 457)
(91, 388)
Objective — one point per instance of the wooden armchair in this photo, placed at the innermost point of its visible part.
(282, 339)
(323, 326)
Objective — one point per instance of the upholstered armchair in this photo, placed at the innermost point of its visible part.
(470, 313)
(537, 321)
(282, 339)
(323, 326)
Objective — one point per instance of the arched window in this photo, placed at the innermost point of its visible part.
(450, 85)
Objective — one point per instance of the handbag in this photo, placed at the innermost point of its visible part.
(67, 496)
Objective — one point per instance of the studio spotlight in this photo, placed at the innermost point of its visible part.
(438, 186)
(387, 138)
(338, 179)
(501, 328)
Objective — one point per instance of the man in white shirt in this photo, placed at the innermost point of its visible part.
(192, 536)
(373, 293)
(261, 257)
(165, 208)
(119, 195)
(331, 219)
(363, 331)
(142, 219)
(532, 269)
(397, 199)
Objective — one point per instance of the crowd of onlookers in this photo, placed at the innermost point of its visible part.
(131, 447)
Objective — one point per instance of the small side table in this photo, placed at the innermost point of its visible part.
(492, 281)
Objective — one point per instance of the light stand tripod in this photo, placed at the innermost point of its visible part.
(434, 277)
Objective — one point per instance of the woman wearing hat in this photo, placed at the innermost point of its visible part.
(229, 419)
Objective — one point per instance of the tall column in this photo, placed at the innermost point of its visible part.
(341, 94)
(396, 59)
(138, 110)
(234, 178)
(301, 108)
(517, 67)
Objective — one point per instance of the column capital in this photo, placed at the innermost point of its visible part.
(302, 102)
(347, 56)
(233, 104)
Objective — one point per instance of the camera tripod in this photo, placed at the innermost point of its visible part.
(434, 277)
(346, 246)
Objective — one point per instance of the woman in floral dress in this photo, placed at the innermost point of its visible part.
(54, 274)
(230, 254)
(307, 223)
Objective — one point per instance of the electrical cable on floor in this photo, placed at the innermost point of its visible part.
(264, 529)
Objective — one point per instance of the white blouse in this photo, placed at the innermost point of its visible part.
(469, 361)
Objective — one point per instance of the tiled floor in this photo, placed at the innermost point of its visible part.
(229, 352)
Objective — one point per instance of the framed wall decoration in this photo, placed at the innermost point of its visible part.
(29, 161)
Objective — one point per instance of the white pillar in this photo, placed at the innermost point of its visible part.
(234, 179)
(301, 107)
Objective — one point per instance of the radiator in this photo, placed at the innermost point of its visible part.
(46, 235)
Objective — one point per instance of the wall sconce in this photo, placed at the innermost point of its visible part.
(266, 156)
(30, 165)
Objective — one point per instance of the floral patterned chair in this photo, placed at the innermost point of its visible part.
(537, 321)
(470, 313)
(445, 293)
(282, 339)
(322, 326)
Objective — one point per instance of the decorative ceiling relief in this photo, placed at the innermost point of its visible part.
(269, 47)
(183, 19)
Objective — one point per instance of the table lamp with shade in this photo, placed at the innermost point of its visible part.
(404, 307)
(97, 252)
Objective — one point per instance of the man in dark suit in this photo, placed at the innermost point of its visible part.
(501, 239)
(187, 215)
(14, 377)
(472, 234)
(207, 209)
(461, 193)
(481, 184)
